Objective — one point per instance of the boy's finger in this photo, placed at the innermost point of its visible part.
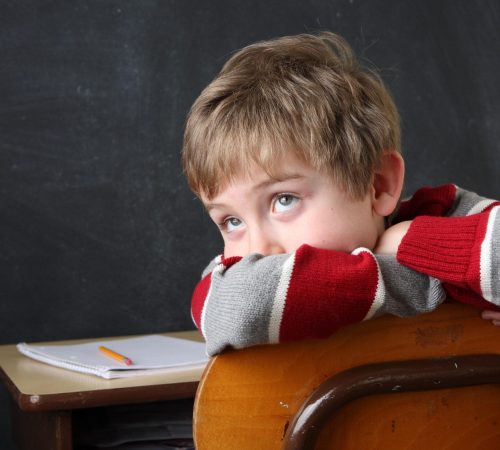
(491, 315)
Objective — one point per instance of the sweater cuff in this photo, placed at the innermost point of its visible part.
(447, 248)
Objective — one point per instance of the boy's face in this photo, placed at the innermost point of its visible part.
(268, 215)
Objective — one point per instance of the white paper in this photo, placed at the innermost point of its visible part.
(148, 354)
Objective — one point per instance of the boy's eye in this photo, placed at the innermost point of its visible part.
(231, 224)
(284, 202)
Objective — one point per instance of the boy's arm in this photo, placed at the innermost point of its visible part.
(309, 294)
(463, 251)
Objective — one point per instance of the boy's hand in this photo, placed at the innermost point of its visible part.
(494, 316)
(389, 241)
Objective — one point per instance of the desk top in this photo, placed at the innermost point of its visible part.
(36, 386)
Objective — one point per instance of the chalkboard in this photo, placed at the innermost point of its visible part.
(99, 234)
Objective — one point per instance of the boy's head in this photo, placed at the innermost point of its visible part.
(303, 98)
(304, 94)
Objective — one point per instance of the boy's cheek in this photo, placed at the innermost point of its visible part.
(232, 249)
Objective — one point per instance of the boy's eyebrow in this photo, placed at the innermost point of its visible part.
(277, 179)
(210, 206)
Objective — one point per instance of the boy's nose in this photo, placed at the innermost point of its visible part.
(265, 244)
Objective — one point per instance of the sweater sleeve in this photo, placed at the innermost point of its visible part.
(462, 250)
(311, 293)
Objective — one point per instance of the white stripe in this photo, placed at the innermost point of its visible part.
(219, 268)
(485, 263)
(280, 300)
(378, 301)
(480, 206)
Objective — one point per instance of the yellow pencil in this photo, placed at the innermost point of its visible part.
(108, 352)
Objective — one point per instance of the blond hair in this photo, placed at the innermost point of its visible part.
(306, 94)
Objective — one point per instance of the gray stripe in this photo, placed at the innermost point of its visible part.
(464, 201)
(495, 259)
(240, 305)
(210, 267)
(408, 293)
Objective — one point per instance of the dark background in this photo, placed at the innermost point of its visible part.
(99, 234)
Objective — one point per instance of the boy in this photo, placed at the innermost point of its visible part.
(294, 150)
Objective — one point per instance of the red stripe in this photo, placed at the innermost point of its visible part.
(428, 201)
(199, 297)
(489, 207)
(474, 270)
(327, 290)
(447, 248)
(228, 262)
(464, 295)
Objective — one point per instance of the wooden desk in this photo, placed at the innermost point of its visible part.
(43, 396)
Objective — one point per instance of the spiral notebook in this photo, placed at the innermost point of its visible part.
(149, 354)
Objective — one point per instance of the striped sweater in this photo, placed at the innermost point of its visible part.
(452, 250)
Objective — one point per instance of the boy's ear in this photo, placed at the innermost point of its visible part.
(388, 183)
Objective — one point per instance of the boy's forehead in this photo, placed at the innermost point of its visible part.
(256, 177)
(252, 178)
